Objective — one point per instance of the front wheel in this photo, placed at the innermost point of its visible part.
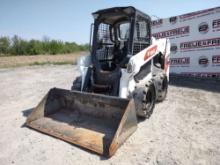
(147, 101)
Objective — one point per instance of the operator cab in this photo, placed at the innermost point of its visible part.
(118, 33)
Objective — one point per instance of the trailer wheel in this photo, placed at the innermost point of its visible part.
(77, 84)
(162, 88)
(148, 101)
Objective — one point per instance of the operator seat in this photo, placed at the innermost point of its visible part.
(106, 81)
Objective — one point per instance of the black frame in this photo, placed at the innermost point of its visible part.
(128, 14)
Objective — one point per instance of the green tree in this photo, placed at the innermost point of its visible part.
(55, 47)
(19, 46)
(4, 45)
(35, 47)
(15, 49)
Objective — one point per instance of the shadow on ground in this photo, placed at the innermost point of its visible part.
(27, 112)
(211, 85)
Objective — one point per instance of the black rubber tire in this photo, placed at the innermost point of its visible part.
(77, 84)
(148, 102)
(162, 88)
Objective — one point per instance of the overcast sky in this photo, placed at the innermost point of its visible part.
(69, 20)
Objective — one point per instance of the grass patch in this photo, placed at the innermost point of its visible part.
(62, 59)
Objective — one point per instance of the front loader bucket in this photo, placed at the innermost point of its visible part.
(95, 122)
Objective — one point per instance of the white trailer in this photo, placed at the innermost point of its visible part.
(195, 42)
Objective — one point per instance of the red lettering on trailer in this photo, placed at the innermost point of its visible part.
(157, 22)
(200, 43)
(180, 61)
(172, 32)
(152, 50)
(216, 23)
(197, 13)
(216, 59)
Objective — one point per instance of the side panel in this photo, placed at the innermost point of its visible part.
(138, 62)
(144, 56)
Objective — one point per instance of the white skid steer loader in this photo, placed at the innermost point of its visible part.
(126, 72)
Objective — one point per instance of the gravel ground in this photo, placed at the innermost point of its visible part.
(184, 129)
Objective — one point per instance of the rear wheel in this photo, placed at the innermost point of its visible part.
(162, 88)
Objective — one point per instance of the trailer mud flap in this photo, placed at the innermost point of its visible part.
(95, 122)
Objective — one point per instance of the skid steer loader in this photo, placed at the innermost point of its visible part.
(126, 72)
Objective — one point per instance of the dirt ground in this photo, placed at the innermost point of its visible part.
(184, 129)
